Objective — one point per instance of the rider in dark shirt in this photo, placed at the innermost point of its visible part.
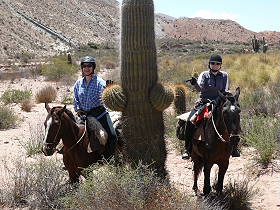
(208, 84)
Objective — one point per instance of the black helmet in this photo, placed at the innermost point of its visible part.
(216, 58)
(88, 59)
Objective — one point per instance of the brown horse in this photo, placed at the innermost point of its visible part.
(219, 132)
(60, 124)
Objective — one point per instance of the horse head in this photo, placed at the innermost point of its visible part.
(231, 112)
(53, 129)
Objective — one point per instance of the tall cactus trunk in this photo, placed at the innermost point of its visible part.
(140, 99)
(144, 128)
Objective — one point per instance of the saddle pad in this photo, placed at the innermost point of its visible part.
(184, 116)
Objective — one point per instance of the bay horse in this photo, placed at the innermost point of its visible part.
(220, 130)
(60, 123)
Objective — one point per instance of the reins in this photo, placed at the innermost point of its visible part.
(215, 128)
(80, 139)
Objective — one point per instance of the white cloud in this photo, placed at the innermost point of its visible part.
(208, 14)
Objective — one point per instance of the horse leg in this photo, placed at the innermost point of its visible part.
(207, 171)
(222, 171)
(197, 167)
(72, 172)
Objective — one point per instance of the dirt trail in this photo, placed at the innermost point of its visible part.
(180, 172)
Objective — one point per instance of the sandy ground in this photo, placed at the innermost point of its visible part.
(180, 171)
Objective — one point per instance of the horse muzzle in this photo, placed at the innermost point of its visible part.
(48, 151)
(234, 139)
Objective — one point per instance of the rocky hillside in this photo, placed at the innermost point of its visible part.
(44, 28)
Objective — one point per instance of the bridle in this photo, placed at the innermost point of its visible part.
(79, 140)
(216, 130)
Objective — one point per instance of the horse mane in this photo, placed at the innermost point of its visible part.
(68, 112)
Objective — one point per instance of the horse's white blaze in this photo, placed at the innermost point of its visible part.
(49, 122)
(232, 108)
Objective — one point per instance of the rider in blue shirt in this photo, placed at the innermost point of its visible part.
(87, 100)
(208, 84)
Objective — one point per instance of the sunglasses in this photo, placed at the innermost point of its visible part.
(215, 63)
(87, 65)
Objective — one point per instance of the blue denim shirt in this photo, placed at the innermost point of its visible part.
(88, 95)
(208, 84)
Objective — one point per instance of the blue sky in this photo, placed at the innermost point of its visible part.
(255, 15)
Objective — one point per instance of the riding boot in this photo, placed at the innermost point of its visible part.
(188, 141)
(235, 150)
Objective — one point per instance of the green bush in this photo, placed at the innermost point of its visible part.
(7, 118)
(15, 96)
(261, 101)
(58, 68)
(34, 144)
(67, 99)
(261, 132)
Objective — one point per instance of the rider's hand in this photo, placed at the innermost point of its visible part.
(109, 82)
(83, 117)
(81, 112)
(193, 81)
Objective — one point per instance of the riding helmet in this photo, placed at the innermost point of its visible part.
(88, 59)
(216, 58)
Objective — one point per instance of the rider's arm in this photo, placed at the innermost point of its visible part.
(200, 82)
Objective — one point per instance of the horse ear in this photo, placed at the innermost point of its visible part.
(47, 107)
(60, 112)
(237, 93)
(222, 96)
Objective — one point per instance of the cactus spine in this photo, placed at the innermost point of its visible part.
(142, 99)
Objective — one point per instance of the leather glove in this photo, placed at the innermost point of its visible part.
(109, 82)
(193, 81)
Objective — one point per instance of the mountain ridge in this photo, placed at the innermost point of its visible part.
(98, 21)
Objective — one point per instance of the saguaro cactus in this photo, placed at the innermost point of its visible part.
(180, 99)
(140, 97)
(255, 44)
(265, 45)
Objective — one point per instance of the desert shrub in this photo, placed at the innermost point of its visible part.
(261, 132)
(67, 99)
(113, 187)
(46, 94)
(34, 144)
(24, 56)
(237, 195)
(15, 96)
(58, 68)
(170, 122)
(108, 62)
(38, 185)
(26, 105)
(7, 118)
(261, 101)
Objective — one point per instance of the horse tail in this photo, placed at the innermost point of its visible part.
(198, 165)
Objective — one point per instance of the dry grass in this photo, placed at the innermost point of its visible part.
(26, 105)
(46, 94)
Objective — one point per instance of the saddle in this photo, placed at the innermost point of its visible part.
(97, 135)
(197, 119)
